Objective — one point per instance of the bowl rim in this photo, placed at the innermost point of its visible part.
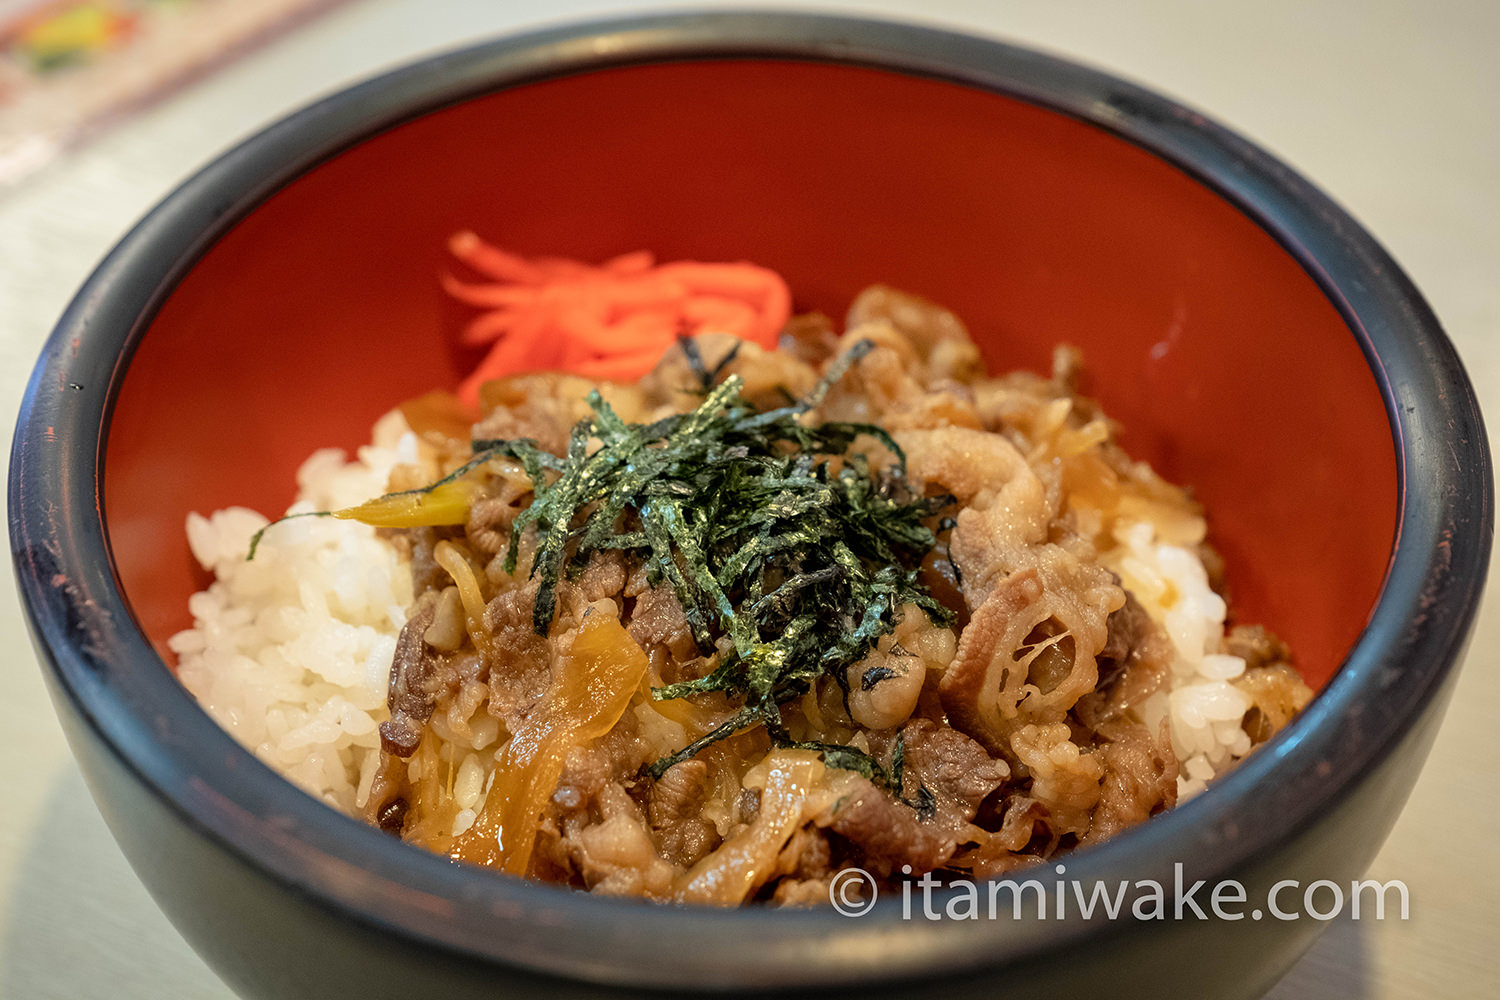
(104, 666)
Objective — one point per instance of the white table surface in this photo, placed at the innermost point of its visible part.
(1393, 107)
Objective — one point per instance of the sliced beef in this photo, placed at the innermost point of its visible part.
(925, 830)
(1127, 629)
(658, 621)
(1135, 663)
(426, 574)
(1140, 779)
(955, 768)
(520, 660)
(1257, 645)
(677, 797)
(413, 693)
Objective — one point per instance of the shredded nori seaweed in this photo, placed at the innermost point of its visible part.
(767, 528)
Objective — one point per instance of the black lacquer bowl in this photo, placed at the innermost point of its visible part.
(1253, 340)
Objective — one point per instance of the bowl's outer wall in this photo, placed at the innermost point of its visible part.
(196, 813)
(1225, 363)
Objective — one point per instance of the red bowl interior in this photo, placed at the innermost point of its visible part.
(1228, 367)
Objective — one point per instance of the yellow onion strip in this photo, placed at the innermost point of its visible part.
(740, 865)
(445, 504)
(457, 565)
(592, 685)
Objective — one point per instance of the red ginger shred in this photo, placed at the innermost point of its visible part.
(613, 321)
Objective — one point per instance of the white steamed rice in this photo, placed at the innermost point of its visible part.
(1206, 711)
(291, 652)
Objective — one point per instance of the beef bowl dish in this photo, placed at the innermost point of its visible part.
(719, 503)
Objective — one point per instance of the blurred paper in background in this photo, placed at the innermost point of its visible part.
(70, 67)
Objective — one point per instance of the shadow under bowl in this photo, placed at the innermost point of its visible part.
(1250, 337)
